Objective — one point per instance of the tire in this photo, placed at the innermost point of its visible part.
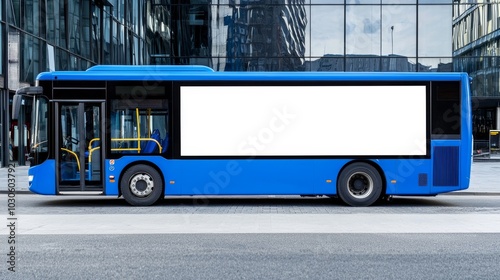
(359, 184)
(141, 185)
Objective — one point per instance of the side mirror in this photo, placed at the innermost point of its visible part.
(16, 106)
(17, 101)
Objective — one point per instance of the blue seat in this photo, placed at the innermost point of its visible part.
(164, 144)
(152, 146)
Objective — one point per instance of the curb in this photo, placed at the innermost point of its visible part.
(17, 192)
(462, 193)
(486, 160)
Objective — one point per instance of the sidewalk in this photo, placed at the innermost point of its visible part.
(19, 174)
(485, 179)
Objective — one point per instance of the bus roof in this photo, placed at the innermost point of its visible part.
(203, 73)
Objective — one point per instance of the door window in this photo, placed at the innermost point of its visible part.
(80, 144)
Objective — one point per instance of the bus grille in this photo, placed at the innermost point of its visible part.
(445, 166)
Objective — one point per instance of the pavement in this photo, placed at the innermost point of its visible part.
(485, 178)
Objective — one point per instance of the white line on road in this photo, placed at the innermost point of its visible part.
(255, 223)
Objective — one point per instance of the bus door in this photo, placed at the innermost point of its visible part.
(79, 146)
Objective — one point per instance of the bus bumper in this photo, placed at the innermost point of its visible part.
(42, 178)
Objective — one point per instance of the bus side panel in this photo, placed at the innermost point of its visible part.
(114, 167)
(447, 170)
(238, 176)
(467, 141)
(403, 176)
(465, 166)
(444, 172)
(406, 176)
(451, 167)
(44, 178)
(254, 177)
(111, 176)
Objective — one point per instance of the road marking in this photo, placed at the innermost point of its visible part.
(255, 223)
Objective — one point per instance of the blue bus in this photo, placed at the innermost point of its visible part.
(146, 132)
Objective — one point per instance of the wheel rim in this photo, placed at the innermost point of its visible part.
(141, 184)
(360, 185)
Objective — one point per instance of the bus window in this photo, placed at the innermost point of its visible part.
(39, 138)
(139, 125)
(446, 110)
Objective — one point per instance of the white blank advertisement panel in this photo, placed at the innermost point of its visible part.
(303, 120)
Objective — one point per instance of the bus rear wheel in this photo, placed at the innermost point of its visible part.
(141, 185)
(359, 184)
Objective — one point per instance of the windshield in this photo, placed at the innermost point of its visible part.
(39, 133)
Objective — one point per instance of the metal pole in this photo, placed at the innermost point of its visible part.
(392, 39)
(20, 133)
(4, 99)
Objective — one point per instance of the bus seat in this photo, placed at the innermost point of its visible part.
(164, 144)
(152, 146)
(145, 143)
(96, 143)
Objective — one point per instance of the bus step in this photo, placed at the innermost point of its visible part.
(81, 192)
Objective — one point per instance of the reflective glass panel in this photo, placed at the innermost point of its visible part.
(435, 64)
(440, 1)
(106, 59)
(257, 37)
(31, 23)
(327, 30)
(14, 15)
(223, 28)
(322, 2)
(363, 24)
(32, 57)
(399, 30)
(399, 1)
(434, 30)
(363, 63)
(329, 63)
(363, 1)
(396, 63)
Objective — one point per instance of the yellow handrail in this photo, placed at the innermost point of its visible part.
(38, 144)
(138, 130)
(75, 155)
(138, 149)
(92, 141)
(91, 151)
(135, 139)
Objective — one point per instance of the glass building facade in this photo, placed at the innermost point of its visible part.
(476, 50)
(255, 35)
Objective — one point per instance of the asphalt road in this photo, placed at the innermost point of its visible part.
(443, 237)
(260, 256)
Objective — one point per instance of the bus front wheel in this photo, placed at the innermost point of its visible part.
(359, 184)
(141, 185)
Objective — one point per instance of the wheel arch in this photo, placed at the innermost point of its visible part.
(145, 162)
(370, 162)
